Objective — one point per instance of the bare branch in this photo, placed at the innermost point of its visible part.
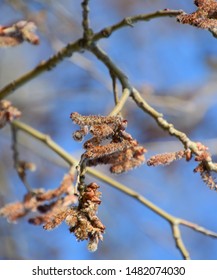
(129, 21)
(76, 46)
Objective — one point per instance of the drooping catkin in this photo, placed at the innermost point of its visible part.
(110, 143)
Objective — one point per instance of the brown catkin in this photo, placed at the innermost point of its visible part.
(165, 159)
(93, 120)
(99, 151)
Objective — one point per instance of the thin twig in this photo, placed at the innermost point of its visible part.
(174, 221)
(73, 162)
(198, 228)
(179, 242)
(114, 87)
(121, 102)
(129, 21)
(85, 20)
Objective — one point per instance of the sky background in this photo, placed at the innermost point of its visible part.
(174, 66)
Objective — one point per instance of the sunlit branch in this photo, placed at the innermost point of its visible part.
(198, 228)
(179, 242)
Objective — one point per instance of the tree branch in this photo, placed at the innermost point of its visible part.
(78, 45)
(198, 228)
(129, 21)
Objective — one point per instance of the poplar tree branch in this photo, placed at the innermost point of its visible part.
(77, 46)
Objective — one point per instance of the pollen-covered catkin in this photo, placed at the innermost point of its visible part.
(110, 143)
(93, 120)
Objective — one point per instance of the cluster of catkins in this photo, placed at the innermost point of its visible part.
(47, 205)
(202, 157)
(205, 16)
(83, 220)
(52, 207)
(110, 143)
